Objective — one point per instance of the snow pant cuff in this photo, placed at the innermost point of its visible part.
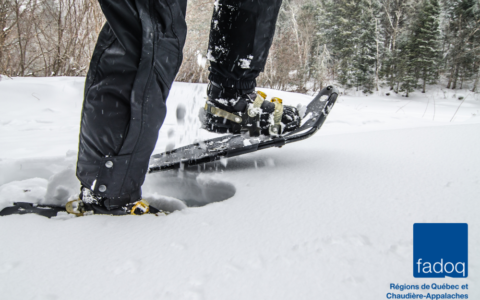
(230, 83)
(110, 180)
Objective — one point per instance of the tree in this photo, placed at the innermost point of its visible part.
(462, 39)
(365, 59)
(350, 33)
(394, 19)
(424, 46)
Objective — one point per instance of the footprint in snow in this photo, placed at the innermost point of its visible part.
(193, 189)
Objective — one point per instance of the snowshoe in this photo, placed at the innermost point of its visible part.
(231, 145)
(236, 111)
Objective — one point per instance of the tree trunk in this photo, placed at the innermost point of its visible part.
(58, 59)
(475, 83)
(455, 78)
(19, 35)
(424, 79)
(3, 33)
(462, 78)
(377, 60)
(450, 78)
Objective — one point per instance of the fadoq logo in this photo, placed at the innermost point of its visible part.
(440, 250)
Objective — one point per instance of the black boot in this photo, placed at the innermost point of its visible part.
(91, 204)
(230, 110)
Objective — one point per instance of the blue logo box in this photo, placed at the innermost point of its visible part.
(440, 250)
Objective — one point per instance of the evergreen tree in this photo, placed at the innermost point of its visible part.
(319, 59)
(424, 47)
(364, 59)
(462, 39)
(338, 36)
(350, 32)
(405, 68)
(420, 54)
(395, 16)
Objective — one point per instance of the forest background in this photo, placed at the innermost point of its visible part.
(363, 45)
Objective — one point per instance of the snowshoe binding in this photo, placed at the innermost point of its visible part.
(91, 204)
(235, 111)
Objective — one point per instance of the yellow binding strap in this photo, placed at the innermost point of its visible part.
(222, 113)
(277, 117)
(143, 205)
(255, 108)
(262, 94)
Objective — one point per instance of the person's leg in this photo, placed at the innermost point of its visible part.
(240, 38)
(137, 56)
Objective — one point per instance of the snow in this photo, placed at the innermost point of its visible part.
(330, 217)
(210, 56)
(245, 62)
(201, 61)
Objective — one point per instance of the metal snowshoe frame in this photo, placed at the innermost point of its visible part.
(234, 145)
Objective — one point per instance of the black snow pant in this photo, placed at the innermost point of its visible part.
(134, 63)
(241, 34)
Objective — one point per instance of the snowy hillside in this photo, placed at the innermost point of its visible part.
(327, 218)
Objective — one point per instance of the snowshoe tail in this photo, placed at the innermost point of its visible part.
(22, 208)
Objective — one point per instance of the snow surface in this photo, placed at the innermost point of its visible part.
(327, 218)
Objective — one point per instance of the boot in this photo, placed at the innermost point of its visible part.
(230, 110)
(91, 204)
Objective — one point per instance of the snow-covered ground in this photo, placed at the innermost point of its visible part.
(327, 218)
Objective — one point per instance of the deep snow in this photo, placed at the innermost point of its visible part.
(327, 218)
